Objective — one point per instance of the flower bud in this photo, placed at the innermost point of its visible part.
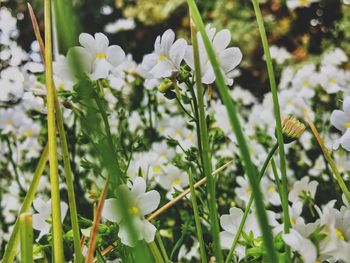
(165, 85)
(292, 129)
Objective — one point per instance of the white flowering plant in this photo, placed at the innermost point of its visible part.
(172, 157)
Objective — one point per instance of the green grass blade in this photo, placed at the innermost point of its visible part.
(233, 116)
(205, 152)
(12, 245)
(284, 194)
(26, 234)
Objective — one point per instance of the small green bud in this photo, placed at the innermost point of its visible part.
(165, 85)
(184, 74)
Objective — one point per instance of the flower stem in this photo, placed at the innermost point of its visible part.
(12, 244)
(197, 218)
(249, 204)
(65, 151)
(162, 248)
(237, 128)
(328, 157)
(55, 191)
(156, 253)
(206, 156)
(26, 233)
(284, 188)
(69, 182)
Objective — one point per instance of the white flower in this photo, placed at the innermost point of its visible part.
(305, 80)
(341, 121)
(332, 79)
(292, 4)
(228, 58)
(189, 254)
(40, 219)
(96, 57)
(303, 189)
(166, 57)
(173, 178)
(120, 25)
(140, 204)
(230, 223)
(302, 245)
(279, 54)
(334, 57)
(336, 224)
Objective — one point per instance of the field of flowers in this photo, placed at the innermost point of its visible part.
(175, 131)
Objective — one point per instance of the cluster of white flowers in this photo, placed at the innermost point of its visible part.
(299, 89)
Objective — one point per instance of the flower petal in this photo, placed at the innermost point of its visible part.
(167, 40)
(148, 202)
(221, 40)
(111, 210)
(88, 42)
(338, 120)
(115, 55)
(230, 58)
(139, 186)
(102, 42)
(226, 239)
(148, 231)
(177, 52)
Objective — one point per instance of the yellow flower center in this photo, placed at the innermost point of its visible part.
(332, 81)
(134, 210)
(28, 133)
(8, 122)
(101, 55)
(162, 57)
(157, 169)
(339, 234)
(292, 221)
(304, 2)
(61, 86)
(347, 124)
(176, 182)
(271, 189)
(305, 84)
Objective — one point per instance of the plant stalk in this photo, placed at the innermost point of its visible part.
(249, 204)
(277, 113)
(54, 179)
(27, 236)
(12, 245)
(197, 218)
(235, 123)
(206, 156)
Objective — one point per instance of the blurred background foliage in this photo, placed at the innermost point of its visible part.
(304, 32)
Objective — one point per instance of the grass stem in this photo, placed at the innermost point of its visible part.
(54, 178)
(26, 233)
(206, 155)
(237, 128)
(197, 218)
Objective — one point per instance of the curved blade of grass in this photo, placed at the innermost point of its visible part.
(197, 218)
(233, 116)
(205, 152)
(12, 245)
(51, 122)
(66, 25)
(249, 204)
(65, 152)
(27, 236)
(328, 157)
(284, 185)
(276, 107)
